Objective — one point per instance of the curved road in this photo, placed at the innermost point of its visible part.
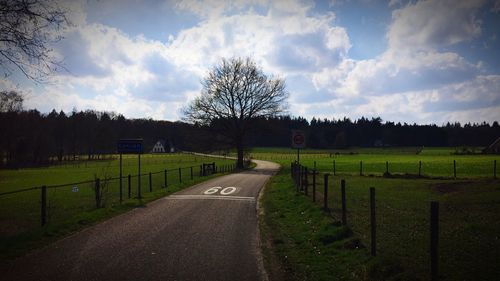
(195, 234)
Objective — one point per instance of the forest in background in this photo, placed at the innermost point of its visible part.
(30, 138)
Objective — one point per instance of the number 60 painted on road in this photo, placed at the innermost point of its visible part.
(223, 191)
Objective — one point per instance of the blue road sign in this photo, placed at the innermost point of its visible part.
(130, 146)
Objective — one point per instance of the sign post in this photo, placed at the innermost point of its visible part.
(298, 142)
(130, 146)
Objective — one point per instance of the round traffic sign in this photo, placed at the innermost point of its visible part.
(298, 139)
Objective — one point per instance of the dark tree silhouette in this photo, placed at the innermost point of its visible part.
(234, 94)
(27, 28)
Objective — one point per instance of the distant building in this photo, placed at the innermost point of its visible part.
(162, 146)
(159, 147)
(493, 148)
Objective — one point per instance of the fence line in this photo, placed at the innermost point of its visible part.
(99, 186)
(299, 175)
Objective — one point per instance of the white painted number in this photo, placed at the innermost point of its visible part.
(228, 190)
(212, 190)
(223, 191)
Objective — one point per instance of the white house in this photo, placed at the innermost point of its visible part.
(163, 146)
(159, 147)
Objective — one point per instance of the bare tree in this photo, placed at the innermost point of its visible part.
(27, 28)
(234, 93)
(11, 101)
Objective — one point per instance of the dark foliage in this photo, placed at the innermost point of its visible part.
(30, 138)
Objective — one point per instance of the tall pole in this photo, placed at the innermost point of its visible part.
(298, 155)
(121, 175)
(139, 178)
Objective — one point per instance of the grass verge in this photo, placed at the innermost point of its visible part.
(300, 242)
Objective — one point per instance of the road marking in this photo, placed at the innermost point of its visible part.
(223, 191)
(210, 197)
(228, 190)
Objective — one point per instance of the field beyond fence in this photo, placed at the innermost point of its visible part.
(64, 198)
(469, 203)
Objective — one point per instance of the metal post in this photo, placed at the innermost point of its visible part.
(165, 178)
(139, 179)
(191, 172)
(454, 169)
(334, 170)
(373, 224)
(419, 168)
(360, 168)
(43, 206)
(121, 183)
(434, 239)
(387, 167)
(344, 208)
(298, 155)
(325, 192)
(180, 175)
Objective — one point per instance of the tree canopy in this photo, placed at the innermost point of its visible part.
(236, 92)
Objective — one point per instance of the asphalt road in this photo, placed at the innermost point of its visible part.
(195, 234)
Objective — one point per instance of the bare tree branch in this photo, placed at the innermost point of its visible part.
(27, 28)
(234, 93)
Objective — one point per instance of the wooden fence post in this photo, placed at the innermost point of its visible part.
(43, 206)
(150, 183)
(129, 185)
(454, 169)
(314, 185)
(373, 224)
(434, 239)
(97, 191)
(344, 207)
(495, 169)
(139, 186)
(325, 192)
(165, 178)
(306, 182)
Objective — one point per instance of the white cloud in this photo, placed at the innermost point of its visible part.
(434, 23)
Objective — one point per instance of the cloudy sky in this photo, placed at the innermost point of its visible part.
(409, 61)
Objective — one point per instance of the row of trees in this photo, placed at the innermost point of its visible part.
(31, 138)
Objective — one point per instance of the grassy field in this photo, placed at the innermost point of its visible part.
(469, 208)
(71, 202)
(435, 162)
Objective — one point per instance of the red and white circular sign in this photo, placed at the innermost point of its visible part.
(298, 139)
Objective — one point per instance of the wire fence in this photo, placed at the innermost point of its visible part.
(29, 208)
(454, 241)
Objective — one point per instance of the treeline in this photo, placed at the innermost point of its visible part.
(343, 133)
(30, 138)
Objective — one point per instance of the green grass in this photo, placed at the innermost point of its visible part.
(436, 162)
(469, 228)
(308, 244)
(69, 211)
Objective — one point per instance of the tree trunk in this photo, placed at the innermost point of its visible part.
(239, 163)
